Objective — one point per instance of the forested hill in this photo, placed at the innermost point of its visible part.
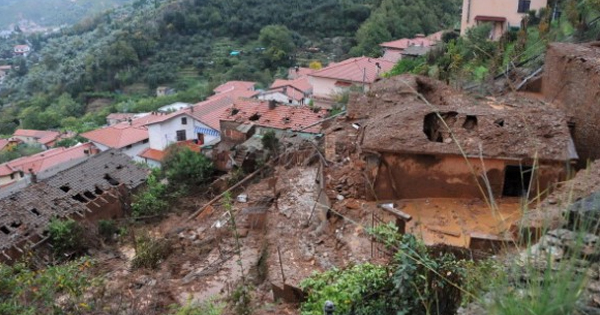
(52, 12)
(187, 44)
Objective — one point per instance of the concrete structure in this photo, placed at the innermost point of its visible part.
(571, 79)
(493, 149)
(97, 188)
(289, 92)
(502, 14)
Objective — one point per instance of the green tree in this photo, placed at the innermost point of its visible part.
(183, 166)
(279, 44)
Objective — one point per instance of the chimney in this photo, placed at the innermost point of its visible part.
(297, 69)
(272, 104)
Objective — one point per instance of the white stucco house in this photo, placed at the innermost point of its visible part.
(182, 127)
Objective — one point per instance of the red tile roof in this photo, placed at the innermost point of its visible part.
(3, 143)
(296, 73)
(302, 84)
(153, 154)
(45, 160)
(210, 111)
(355, 70)
(234, 85)
(120, 116)
(120, 135)
(158, 155)
(38, 134)
(392, 55)
(407, 42)
(281, 117)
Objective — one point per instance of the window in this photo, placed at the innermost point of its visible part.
(146, 141)
(524, 6)
(129, 147)
(184, 121)
(12, 176)
(181, 135)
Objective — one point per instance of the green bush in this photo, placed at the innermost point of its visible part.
(107, 229)
(183, 166)
(149, 252)
(415, 282)
(151, 201)
(66, 236)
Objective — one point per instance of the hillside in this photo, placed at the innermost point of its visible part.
(52, 12)
(187, 44)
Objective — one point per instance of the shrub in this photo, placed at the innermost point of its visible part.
(66, 236)
(107, 229)
(186, 167)
(270, 141)
(149, 252)
(151, 200)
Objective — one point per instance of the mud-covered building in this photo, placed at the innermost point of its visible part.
(97, 188)
(448, 145)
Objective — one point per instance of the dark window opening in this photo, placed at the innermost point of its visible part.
(21, 174)
(98, 191)
(184, 120)
(516, 180)
(146, 141)
(129, 146)
(5, 230)
(433, 126)
(254, 117)
(524, 6)
(470, 122)
(12, 176)
(181, 135)
(499, 122)
(80, 198)
(200, 138)
(35, 211)
(111, 180)
(15, 224)
(89, 195)
(65, 188)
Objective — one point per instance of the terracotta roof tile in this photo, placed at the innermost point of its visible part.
(355, 70)
(234, 85)
(119, 135)
(45, 160)
(3, 143)
(38, 134)
(281, 117)
(153, 154)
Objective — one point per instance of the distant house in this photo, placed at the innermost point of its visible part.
(164, 90)
(21, 50)
(290, 92)
(235, 86)
(339, 77)
(42, 137)
(25, 167)
(174, 107)
(501, 14)
(8, 144)
(4, 71)
(299, 72)
(115, 118)
(393, 51)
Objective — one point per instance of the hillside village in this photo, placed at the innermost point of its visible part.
(373, 184)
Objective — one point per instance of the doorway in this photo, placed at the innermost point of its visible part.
(516, 180)
(200, 138)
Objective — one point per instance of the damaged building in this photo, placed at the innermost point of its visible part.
(97, 188)
(454, 146)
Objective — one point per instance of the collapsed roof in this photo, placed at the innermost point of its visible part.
(397, 120)
(25, 215)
